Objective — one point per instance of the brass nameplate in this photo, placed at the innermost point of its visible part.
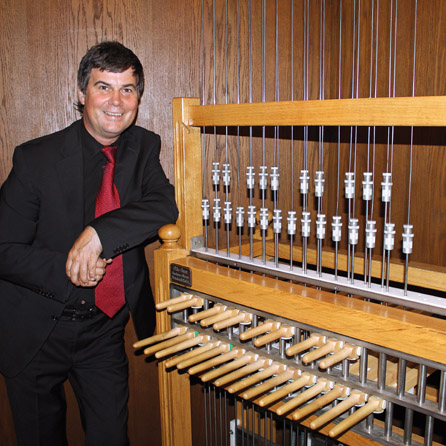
(182, 275)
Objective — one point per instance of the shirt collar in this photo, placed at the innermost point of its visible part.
(90, 146)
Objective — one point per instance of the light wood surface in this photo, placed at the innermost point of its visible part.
(394, 328)
(330, 346)
(177, 331)
(207, 313)
(221, 316)
(425, 276)
(169, 343)
(227, 368)
(181, 346)
(172, 362)
(216, 351)
(196, 302)
(354, 399)
(255, 378)
(174, 388)
(242, 372)
(399, 111)
(176, 300)
(268, 325)
(321, 385)
(315, 340)
(373, 405)
(338, 391)
(235, 353)
(347, 351)
(187, 165)
(421, 275)
(242, 318)
(294, 386)
(284, 331)
(268, 384)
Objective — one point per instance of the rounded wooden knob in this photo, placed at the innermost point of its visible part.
(169, 233)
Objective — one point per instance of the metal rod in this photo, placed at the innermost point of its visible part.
(363, 366)
(401, 381)
(382, 366)
(442, 393)
(429, 431)
(388, 420)
(408, 422)
(421, 391)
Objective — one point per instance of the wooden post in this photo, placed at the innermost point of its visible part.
(188, 181)
(174, 387)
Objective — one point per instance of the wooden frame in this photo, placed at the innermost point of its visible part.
(187, 116)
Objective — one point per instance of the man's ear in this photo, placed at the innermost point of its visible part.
(81, 96)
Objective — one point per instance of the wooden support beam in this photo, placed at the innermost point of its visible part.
(425, 111)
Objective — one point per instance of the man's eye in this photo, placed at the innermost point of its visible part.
(128, 90)
(102, 87)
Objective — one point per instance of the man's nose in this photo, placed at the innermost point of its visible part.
(116, 98)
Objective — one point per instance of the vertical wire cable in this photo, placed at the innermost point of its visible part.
(214, 406)
(305, 67)
(292, 99)
(226, 182)
(356, 131)
(251, 229)
(322, 83)
(214, 101)
(263, 82)
(339, 137)
(276, 86)
(263, 189)
(214, 93)
(321, 128)
(203, 135)
(221, 423)
(374, 131)
(366, 250)
(276, 155)
(292, 214)
(350, 204)
(238, 129)
(206, 386)
(390, 148)
(339, 97)
(226, 419)
(393, 92)
(409, 186)
(388, 145)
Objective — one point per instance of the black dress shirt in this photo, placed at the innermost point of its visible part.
(93, 165)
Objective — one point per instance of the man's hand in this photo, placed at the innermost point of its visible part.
(84, 267)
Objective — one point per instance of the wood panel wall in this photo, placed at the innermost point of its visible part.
(42, 42)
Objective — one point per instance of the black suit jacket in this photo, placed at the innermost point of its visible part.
(41, 215)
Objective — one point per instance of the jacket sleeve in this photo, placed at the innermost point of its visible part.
(22, 261)
(139, 220)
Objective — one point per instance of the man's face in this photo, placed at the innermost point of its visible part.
(110, 104)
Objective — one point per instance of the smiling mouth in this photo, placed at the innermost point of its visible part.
(114, 114)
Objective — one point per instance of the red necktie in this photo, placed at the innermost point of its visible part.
(109, 293)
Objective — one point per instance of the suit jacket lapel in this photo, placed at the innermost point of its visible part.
(127, 156)
(71, 177)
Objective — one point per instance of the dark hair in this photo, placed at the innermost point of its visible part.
(109, 56)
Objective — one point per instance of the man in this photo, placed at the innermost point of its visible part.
(75, 213)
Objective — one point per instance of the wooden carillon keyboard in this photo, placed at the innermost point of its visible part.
(274, 328)
(337, 367)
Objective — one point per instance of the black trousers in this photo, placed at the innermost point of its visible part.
(91, 355)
